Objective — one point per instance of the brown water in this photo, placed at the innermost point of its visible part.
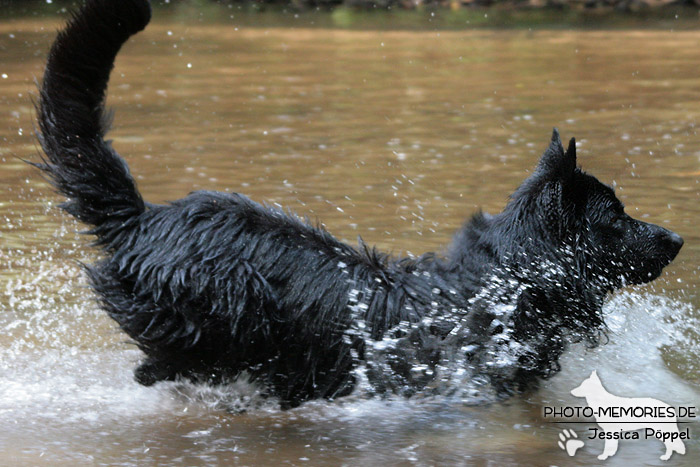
(397, 136)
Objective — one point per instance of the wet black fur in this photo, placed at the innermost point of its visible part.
(215, 284)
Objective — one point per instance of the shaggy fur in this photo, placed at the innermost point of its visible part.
(215, 284)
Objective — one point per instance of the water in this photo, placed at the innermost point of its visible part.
(395, 135)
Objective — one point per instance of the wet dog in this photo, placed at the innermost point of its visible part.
(215, 285)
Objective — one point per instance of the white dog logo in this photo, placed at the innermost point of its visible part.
(616, 415)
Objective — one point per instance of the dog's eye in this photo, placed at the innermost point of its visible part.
(618, 219)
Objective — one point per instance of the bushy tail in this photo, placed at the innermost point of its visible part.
(73, 121)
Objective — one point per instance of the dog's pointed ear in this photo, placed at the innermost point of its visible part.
(555, 164)
(570, 154)
(594, 375)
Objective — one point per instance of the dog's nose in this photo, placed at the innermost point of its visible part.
(675, 239)
(672, 241)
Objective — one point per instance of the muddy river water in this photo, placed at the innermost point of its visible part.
(395, 135)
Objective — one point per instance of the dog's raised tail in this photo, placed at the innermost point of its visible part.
(73, 121)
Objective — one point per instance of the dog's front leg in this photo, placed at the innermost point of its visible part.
(609, 449)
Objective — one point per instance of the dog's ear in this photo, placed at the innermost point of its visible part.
(555, 164)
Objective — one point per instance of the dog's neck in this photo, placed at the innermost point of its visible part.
(497, 313)
(523, 309)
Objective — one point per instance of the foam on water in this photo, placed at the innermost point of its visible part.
(631, 363)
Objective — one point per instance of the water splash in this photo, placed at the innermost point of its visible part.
(642, 327)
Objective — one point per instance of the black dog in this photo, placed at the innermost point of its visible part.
(216, 285)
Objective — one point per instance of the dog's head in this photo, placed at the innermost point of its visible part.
(546, 263)
(565, 208)
(589, 387)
